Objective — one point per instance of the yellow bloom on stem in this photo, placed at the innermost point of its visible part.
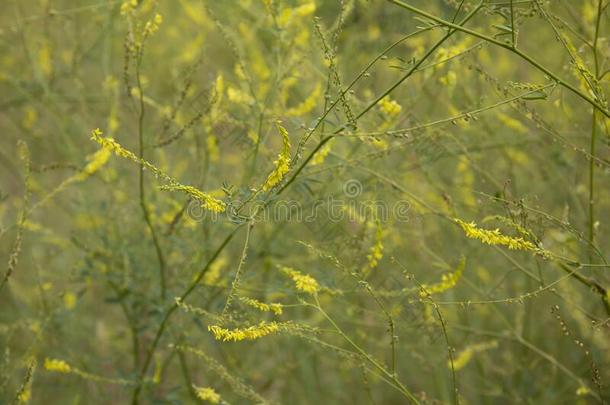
(249, 333)
(376, 251)
(494, 237)
(95, 161)
(59, 366)
(389, 107)
(448, 281)
(303, 282)
(308, 104)
(207, 394)
(206, 200)
(274, 307)
(282, 164)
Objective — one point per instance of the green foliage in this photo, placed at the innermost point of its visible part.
(304, 201)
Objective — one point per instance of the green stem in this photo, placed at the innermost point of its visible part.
(512, 25)
(516, 51)
(592, 146)
(143, 206)
(170, 310)
(391, 376)
(592, 182)
(374, 102)
(238, 272)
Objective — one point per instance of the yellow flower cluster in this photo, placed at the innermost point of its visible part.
(444, 54)
(376, 251)
(94, 162)
(303, 282)
(448, 281)
(239, 97)
(249, 333)
(389, 106)
(128, 6)
(282, 164)
(307, 105)
(463, 357)
(30, 117)
(321, 154)
(303, 10)
(212, 144)
(274, 307)
(212, 277)
(494, 237)
(112, 145)
(59, 366)
(206, 200)
(25, 396)
(153, 26)
(450, 79)
(207, 394)
(45, 59)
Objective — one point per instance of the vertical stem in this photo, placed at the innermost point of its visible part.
(592, 180)
(143, 206)
(235, 284)
(187, 376)
(512, 24)
(592, 147)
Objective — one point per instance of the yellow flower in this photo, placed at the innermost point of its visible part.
(249, 333)
(25, 395)
(511, 123)
(153, 26)
(276, 308)
(112, 145)
(219, 88)
(463, 357)
(282, 164)
(450, 79)
(303, 10)
(128, 6)
(447, 282)
(94, 162)
(59, 366)
(213, 275)
(321, 154)
(307, 105)
(69, 300)
(303, 282)
(376, 251)
(239, 97)
(389, 107)
(495, 237)
(30, 118)
(45, 59)
(212, 144)
(206, 200)
(207, 394)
